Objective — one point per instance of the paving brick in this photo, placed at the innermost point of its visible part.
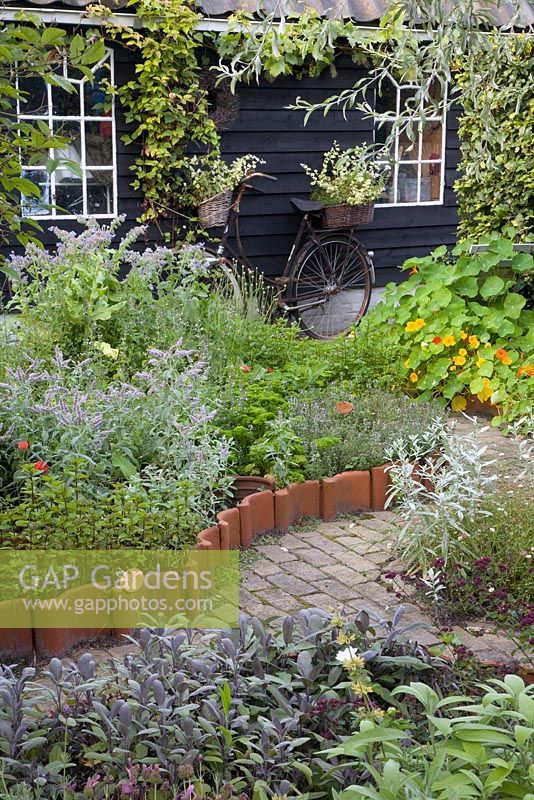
(280, 599)
(324, 544)
(324, 601)
(344, 574)
(333, 529)
(264, 567)
(305, 571)
(275, 553)
(360, 564)
(315, 557)
(292, 542)
(291, 584)
(252, 582)
(336, 589)
(351, 542)
(376, 524)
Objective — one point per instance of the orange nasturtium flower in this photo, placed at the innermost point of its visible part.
(449, 341)
(503, 356)
(343, 407)
(414, 377)
(486, 391)
(436, 340)
(474, 342)
(458, 403)
(526, 369)
(415, 325)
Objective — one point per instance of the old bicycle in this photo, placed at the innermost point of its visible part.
(328, 277)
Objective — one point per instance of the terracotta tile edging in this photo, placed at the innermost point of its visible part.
(236, 526)
(353, 490)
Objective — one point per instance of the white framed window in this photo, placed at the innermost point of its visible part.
(418, 174)
(78, 115)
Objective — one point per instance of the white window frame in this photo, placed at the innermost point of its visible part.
(50, 118)
(419, 161)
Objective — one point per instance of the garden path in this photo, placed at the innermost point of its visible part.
(342, 564)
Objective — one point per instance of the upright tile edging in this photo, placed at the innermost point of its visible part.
(351, 491)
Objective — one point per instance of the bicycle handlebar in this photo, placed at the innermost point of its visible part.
(259, 175)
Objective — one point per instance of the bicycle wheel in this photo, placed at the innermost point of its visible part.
(330, 285)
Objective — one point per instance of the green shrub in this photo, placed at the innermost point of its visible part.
(463, 327)
(496, 189)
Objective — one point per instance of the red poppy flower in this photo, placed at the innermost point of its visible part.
(23, 445)
(343, 407)
(436, 340)
(245, 368)
(41, 466)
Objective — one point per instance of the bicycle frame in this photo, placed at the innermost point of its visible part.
(306, 231)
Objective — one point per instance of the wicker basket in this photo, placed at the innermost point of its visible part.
(214, 211)
(345, 216)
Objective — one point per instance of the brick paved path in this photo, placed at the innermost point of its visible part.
(339, 565)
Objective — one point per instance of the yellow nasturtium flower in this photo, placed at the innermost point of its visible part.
(481, 361)
(415, 325)
(463, 335)
(414, 377)
(462, 351)
(486, 391)
(407, 363)
(449, 341)
(474, 342)
(458, 403)
(459, 360)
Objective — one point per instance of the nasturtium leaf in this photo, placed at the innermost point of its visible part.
(492, 286)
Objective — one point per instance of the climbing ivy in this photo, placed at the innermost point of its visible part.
(165, 102)
(496, 188)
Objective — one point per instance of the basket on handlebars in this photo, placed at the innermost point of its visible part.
(345, 216)
(215, 211)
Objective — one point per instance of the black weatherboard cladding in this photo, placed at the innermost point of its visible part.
(268, 129)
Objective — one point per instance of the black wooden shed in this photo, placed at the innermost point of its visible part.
(419, 212)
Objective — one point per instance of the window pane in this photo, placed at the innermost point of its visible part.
(94, 93)
(69, 193)
(382, 133)
(388, 195)
(35, 99)
(432, 141)
(407, 100)
(431, 181)
(386, 98)
(71, 131)
(407, 183)
(99, 143)
(36, 206)
(100, 192)
(409, 144)
(66, 104)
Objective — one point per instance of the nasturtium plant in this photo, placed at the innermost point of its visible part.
(463, 327)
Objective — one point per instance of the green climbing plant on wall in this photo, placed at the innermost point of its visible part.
(496, 187)
(165, 103)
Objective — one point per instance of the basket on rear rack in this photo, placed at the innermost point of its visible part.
(345, 216)
(215, 211)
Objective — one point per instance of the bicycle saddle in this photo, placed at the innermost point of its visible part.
(306, 206)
